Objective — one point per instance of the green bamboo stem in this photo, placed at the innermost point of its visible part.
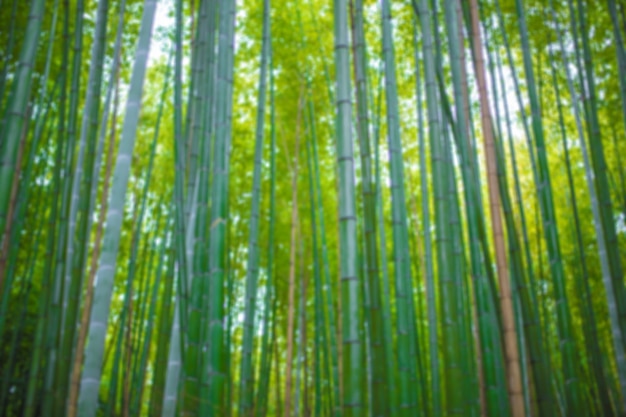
(544, 190)
(265, 369)
(321, 370)
(132, 259)
(219, 197)
(90, 383)
(165, 335)
(621, 56)
(428, 258)
(58, 343)
(52, 222)
(374, 319)
(406, 338)
(328, 293)
(352, 350)
(92, 179)
(80, 200)
(195, 388)
(424, 13)
(170, 391)
(246, 381)
(135, 408)
(16, 111)
(202, 141)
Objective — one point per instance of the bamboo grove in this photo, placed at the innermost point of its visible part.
(312, 208)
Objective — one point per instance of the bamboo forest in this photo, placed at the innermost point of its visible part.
(306, 208)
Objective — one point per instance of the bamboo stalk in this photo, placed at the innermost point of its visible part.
(292, 262)
(509, 331)
(88, 395)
